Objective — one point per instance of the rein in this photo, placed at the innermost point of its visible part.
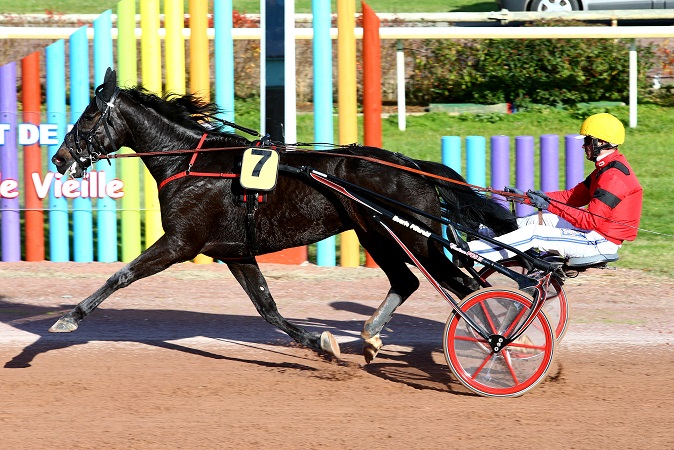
(509, 195)
(169, 152)
(425, 174)
(108, 92)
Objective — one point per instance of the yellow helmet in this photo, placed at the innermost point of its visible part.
(604, 126)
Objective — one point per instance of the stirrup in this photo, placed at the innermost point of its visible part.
(591, 261)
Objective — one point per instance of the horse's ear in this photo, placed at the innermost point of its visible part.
(105, 91)
(110, 77)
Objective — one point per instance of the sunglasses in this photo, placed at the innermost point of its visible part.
(587, 142)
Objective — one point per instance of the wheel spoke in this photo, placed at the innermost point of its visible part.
(489, 320)
(481, 366)
(506, 358)
(526, 346)
(471, 339)
(514, 323)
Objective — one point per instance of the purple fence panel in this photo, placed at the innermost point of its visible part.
(9, 166)
(575, 160)
(524, 169)
(500, 165)
(549, 162)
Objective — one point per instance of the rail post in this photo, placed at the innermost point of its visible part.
(400, 83)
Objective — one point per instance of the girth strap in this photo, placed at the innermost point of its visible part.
(251, 207)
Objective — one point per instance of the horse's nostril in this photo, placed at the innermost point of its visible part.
(57, 160)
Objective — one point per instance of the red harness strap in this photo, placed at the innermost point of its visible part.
(189, 172)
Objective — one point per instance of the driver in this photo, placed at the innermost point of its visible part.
(611, 193)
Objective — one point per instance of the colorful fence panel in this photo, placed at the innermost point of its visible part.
(75, 205)
(59, 244)
(9, 202)
(525, 171)
(31, 97)
(83, 230)
(326, 254)
(130, 214)
(106, 219)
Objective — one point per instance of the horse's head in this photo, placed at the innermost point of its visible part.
(91, 137)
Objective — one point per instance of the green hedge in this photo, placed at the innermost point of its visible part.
(526, 71)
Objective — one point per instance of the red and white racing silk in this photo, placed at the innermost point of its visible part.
(613, 197)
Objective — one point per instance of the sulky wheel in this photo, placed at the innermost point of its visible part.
(556, 307)
(518, 366)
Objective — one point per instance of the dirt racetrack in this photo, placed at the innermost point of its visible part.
(182, 360)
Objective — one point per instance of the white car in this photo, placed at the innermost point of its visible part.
(582, 5)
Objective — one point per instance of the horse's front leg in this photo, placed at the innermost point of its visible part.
(158, 257)
(252, 281)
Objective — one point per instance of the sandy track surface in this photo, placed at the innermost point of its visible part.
(182, 360)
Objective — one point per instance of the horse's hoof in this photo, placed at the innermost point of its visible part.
(64, 325)
(329, 344)
(371, 347)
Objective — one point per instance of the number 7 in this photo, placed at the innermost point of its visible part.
(266, 154)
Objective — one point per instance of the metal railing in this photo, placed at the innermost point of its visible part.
(503, 16)
(444, 32)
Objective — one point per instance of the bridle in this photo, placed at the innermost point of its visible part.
(87, 149)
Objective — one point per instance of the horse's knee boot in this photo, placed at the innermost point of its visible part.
(381, 316)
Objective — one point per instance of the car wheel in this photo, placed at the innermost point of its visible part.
(554, 5)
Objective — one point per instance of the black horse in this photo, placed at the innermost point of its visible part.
(202, 209)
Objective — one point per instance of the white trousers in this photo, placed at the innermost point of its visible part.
(556, 235)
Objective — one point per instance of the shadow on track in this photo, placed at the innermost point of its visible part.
(416, 361)
(412, 341)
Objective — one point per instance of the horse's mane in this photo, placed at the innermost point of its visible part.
(188, 110)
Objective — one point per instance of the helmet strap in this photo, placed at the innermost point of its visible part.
(597, 149)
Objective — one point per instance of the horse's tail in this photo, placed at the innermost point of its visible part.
(466, 207)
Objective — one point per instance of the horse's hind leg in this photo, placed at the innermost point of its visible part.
(403, 284)
(252, 281)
